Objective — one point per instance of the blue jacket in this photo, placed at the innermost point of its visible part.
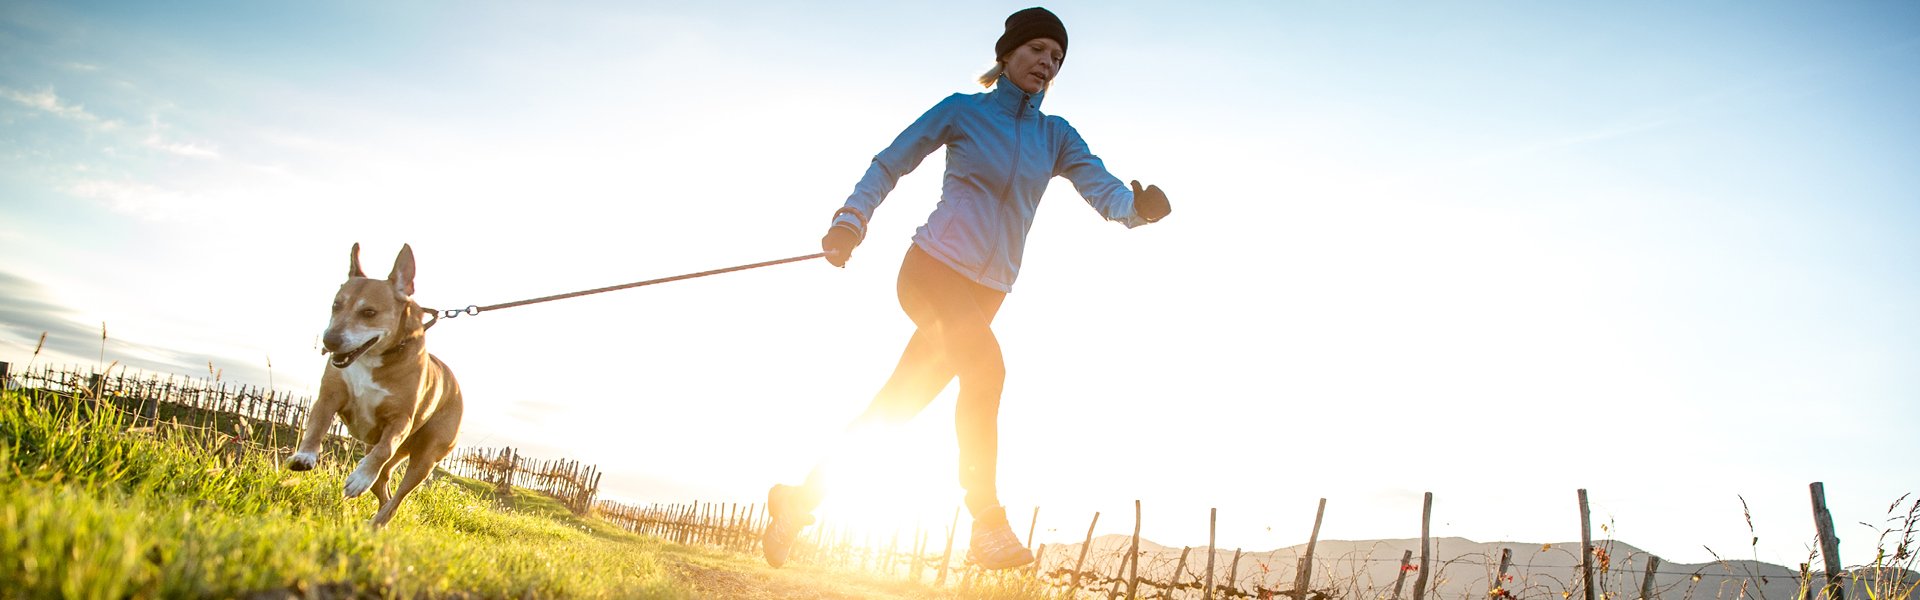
(1001, 152)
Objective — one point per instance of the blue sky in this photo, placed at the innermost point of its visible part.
(1499, 251)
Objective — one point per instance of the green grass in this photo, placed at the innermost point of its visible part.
(90, 511)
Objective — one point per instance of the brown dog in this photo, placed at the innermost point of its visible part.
(388, 391)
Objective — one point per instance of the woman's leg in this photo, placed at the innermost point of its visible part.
(945, 308)
(956, 315)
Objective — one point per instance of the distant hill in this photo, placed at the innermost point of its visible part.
(1460, 569)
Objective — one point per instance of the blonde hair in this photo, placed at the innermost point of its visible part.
(993, 74)
(999, 67)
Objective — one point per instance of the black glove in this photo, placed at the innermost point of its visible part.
(839, 243)
(1151, 203)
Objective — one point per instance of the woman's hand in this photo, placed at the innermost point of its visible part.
(839, 243)
(1150, 204)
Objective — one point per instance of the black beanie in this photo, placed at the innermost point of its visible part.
(1028, 24)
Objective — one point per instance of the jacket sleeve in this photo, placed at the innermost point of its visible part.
(1104, 192)
(930, 131)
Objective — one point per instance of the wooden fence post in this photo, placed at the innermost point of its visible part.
(1586, 547)
(1081, 564)
(1032, 524)
(1406, 560)
(1233, 574)
(1133, 556)
(1829, 544)
(1304, 580)
(1506, 560)
(1653, 564)
(1213, 518)
(6, 373)
(1426, 536)
(947, 557)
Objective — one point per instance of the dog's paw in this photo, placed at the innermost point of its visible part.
(358, 483)
(304, 461)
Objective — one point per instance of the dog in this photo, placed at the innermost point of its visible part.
(382, 383)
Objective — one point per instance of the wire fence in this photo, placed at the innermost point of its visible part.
(1116, 566)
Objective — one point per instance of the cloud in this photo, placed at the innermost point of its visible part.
(46, 100)
(27, 310)
(180, 149)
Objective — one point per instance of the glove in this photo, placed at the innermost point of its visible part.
(1151, 203)
(839, 243)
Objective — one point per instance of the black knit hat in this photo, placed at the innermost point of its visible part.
(1028, 24)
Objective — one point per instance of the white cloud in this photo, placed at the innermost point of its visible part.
(179, 148)
(48, 101)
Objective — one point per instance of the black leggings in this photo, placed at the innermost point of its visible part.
(953, 338)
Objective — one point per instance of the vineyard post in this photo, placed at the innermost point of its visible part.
(1119, 578)
(1233, 574)
(1133, 556)
(1406, 560)
(1213, 518)
(1032, 524)
(1039, 554)
(1829, 545)
(1302, 581)
(1082, 563)
(727, 525)
(946, 558)
(746, 541)
(1806, 582)
(1586, 547)
(5, 377)
(1426, 535)
(1653, 564)
(1506, 560)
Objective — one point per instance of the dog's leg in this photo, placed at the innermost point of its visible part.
(380, 485)
(380, 456)
(418, 468)
(333, 396)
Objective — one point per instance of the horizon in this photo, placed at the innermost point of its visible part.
(1497, 252)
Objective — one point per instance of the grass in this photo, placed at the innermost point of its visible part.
(89, 509)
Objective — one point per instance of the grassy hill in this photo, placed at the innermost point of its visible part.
(92, 509)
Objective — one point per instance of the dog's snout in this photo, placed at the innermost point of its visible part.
(332, 340)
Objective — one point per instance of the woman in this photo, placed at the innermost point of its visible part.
(1001, 152)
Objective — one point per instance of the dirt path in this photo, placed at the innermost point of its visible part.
(732, 581)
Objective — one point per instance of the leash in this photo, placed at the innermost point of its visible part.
(472, 309)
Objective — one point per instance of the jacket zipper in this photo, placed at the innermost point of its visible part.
(1013, 172)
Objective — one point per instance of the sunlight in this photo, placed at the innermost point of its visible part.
(893, 479)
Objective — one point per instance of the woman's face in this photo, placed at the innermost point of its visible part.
(1033, 64)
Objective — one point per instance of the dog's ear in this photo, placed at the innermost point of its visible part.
(402, 275)
(353, 262)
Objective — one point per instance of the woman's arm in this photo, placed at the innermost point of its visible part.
(1101, 189)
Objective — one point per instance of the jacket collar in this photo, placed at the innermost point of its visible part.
(1008, 97)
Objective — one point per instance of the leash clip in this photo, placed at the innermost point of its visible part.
(471, 309)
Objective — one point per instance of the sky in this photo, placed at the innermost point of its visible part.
(1496, 251)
